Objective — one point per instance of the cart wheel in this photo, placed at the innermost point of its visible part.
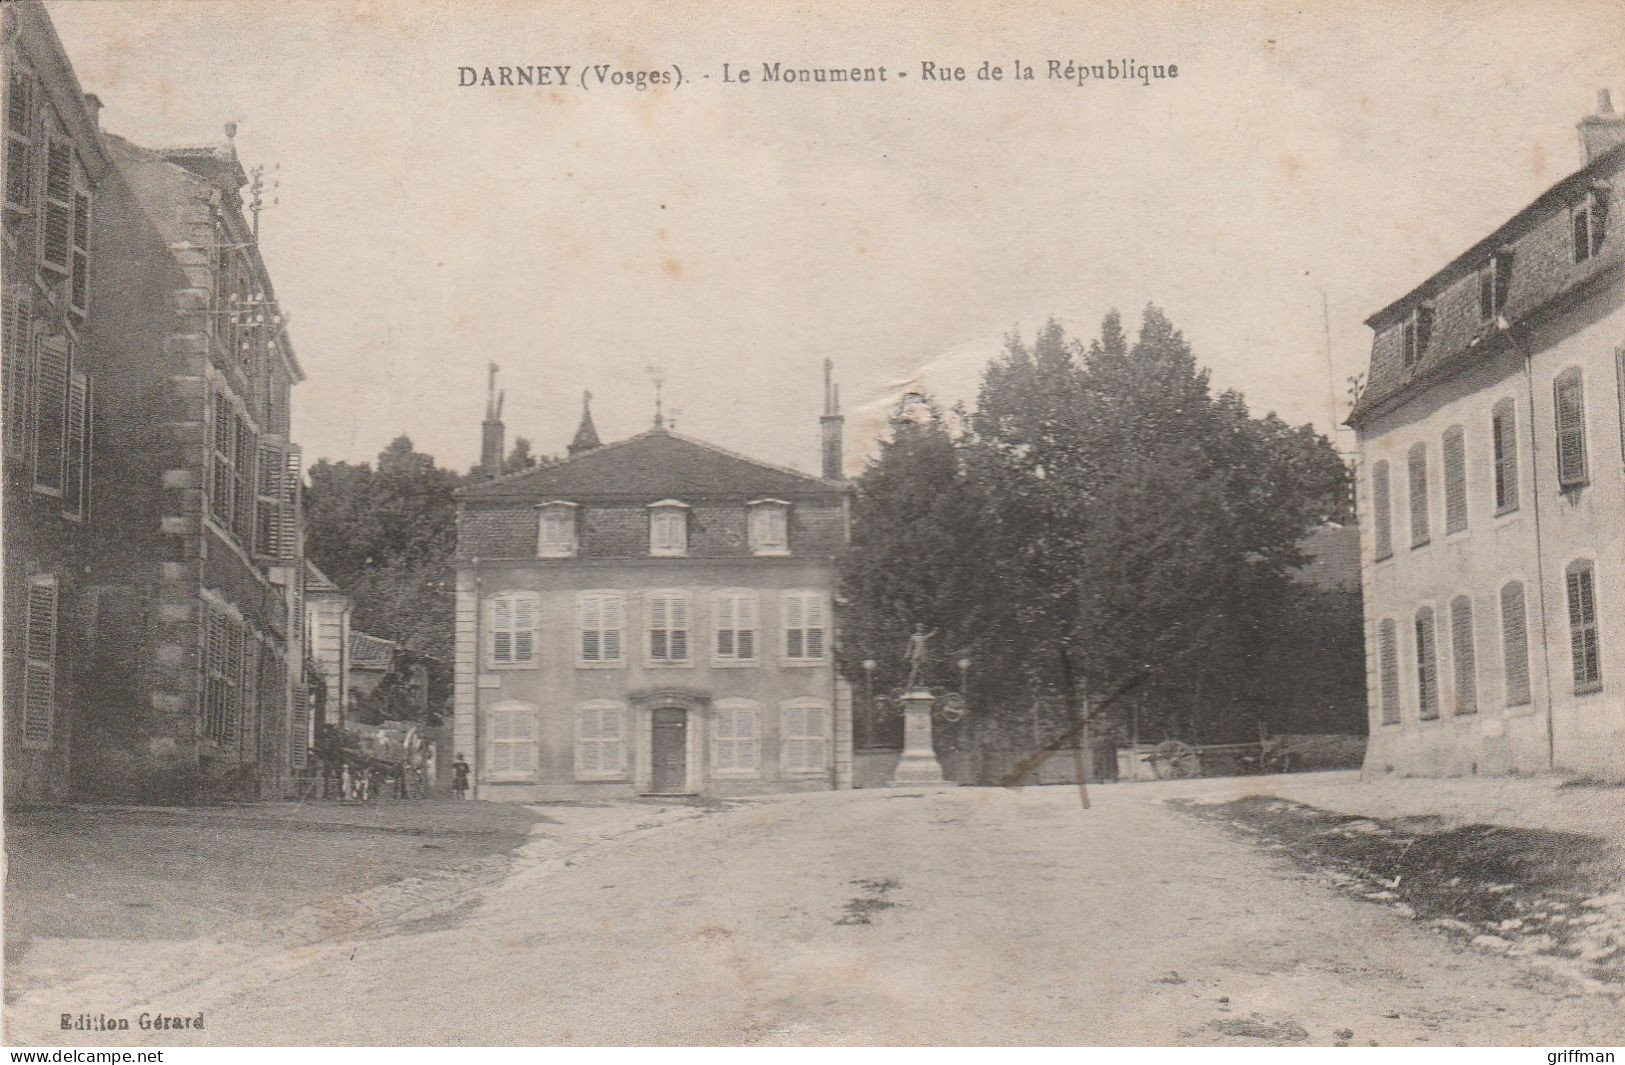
(1174, 760)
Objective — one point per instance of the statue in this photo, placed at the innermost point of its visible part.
(915, 653)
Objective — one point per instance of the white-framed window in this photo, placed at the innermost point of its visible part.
(804, 730)
(736, 737)
(667, 623)
(601, 740)
(668, 528)
(600, 629)
(39, 669)
(556, 535)
(733, 615)
(510, 627)
(769, 527)
(806, 625)
(512, 742)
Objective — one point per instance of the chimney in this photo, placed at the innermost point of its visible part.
(833, 426)
(491, 428)
(1602, 132)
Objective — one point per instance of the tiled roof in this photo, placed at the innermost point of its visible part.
(371, 652)
(657, 464)
(316, 581)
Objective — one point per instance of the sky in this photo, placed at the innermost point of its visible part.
(1310, 163)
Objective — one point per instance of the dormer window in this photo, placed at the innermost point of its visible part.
(1494, 282)
(1590, 223)
(1416, 332)
(668, 528)
(557, 536)
(769, 527)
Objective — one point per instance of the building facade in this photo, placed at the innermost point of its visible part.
(158, 614)
(654, 616)
(1492, 493)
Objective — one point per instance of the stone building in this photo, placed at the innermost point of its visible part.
(1492, 492)
(154, 538)
(652, 616)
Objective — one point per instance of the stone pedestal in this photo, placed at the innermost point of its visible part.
(919, 764)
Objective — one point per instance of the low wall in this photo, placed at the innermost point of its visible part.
(873, 767)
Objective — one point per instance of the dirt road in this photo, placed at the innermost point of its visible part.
(884, 917)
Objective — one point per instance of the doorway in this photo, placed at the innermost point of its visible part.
(668, 755)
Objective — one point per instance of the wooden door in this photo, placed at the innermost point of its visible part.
(669, 751)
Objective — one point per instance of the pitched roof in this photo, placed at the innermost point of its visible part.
(317, 581)
(656, 464)
(371, 652)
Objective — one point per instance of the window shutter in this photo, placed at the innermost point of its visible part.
(679, 628)
(611, 724)
(299, 728)
(1388, 666)
(614, 624)
(1418, 471)
(727, 626)
(589, 625)
(39, 680)
(1504, 440)
(795, 746)
(76, 458)
(501, 630)
(1569, 400)
(1383, 508)
(57, 232)
(1583, 636)
(51, 377)
(815, 627)
(1455, 480)
(243, 482)
(524, 629)
(270, 469)
(746, 637)
(14, 349)
(1514, 645)
(590, 747)
(1463, 654)
(20, 137)
(232, 668)
(795, 626)
(79, 285)
(1427, 667)
(524, 739)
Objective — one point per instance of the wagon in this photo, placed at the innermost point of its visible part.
(1178, 760)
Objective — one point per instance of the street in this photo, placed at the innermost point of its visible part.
(960, 916)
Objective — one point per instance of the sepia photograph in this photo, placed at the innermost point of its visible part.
(572, 524)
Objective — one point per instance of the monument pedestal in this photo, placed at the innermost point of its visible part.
(919, 764)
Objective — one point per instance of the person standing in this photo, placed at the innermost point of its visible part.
(459, 778)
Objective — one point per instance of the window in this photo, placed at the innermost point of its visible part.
(1388, 668)
(15, 351)
(1514, 644)
(232, 457)
(1591, 223)
(601, 740)
(600, 628)
(20, 132)
(804, 740)
(1383, 507)
(1582, 234)
(769, 527)
(734, 614)
(1416, 333)
(1504, 442)
(222, 637)
(1408, 341)
(1427, 667)
(1455, 480)
(557, 536)
(1583, 637)
(39, 667)
(56, 231)
(668, 628)
(511, 623)
(299, 727)
(1494, 283)
(53, 374)
(1568, 395)
(276, 510)
(668, 528)
(734, 741)
(79, 266)
(1463, 654)
(513, 741)
(1417, 464)
(804, 627)
(76, 462)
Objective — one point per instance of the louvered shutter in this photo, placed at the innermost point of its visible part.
(20, 137)
(815, 627)
(524, 741)
(795, 620)
(501, 631)
(612, 725)
(17, 369)
(214, 665)
(1514, 645)
(795, 745)
(56, 235)
(52, 372)
(589, 626)
(679, 628)
(727, 626)
(747, 627)
(1427, 666)
(659, 632)
(524, 629)
(1417, 465)
(1464, 655)
(1569, 400)
(39, 670)
(614, 625)
(1583, 636)
(268, 495)
(1455, 480)
(591, 749)
(1383, 508)
(243, 482)
(727, 749)
(79, 284)
(1504, 431)
(299, 728)
(1388, 670)
(817, 739)
(501, 745)
(232, 671)
(76, 463)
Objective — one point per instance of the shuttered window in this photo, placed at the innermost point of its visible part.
(734, 738)
(1568, 394)
(734, 614)
(79, 268)
(1417, 468)
(668, 529)
(804, 626)
(1427, 666)
(39, 666)
(1504, 443)
(1515, 644)
(1454, 450)
(278, 482)
(16, 351)
(77, 461)
(1464, 655)
(20, 134)
(600, 627)
(513, 740)
(769, 527)
(557, 531)
(601, 740)
(1382, 505)
(511, 629)
(53, 372)
(1584, 640)
(56, 231)
(216, 671)
(299, 727)
(1388, 671)
(805, 737)
(668, 627)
